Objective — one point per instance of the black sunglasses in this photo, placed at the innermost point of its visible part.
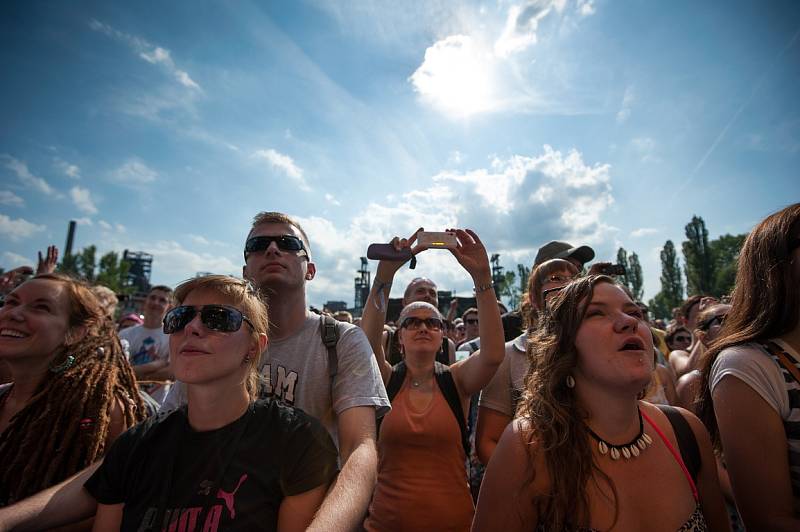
(214, 317)
(414, 323)
(257, 244)
(716, 320)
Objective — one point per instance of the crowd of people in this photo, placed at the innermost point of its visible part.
(227, 404)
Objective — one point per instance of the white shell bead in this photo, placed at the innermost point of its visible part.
(602, 447)
(647, 439)
(641, 443)
(614, 453)
(634, 450)
(626, 453)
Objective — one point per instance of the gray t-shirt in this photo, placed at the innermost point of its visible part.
(296, 370)
(508, 380)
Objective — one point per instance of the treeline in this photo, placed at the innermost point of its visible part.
(111, 271)
(708, 268)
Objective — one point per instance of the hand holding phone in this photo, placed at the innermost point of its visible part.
(437, 240)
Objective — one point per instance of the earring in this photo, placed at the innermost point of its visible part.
(570, 381)
(64, 366)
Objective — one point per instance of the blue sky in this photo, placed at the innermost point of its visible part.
(164, 127)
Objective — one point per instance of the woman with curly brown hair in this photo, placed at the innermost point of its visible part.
(584, 453)
(72, 391)
(751, 377)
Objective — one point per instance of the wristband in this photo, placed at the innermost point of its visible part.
(483, 287)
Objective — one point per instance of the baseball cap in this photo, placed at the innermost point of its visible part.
(563, 250)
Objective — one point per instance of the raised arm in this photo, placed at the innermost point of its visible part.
(475, 372)
(374, 315)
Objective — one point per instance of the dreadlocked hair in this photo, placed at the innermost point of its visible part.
(63, 427)
(553, 421)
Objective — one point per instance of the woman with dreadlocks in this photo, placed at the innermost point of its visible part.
(584, 453)
(72, 391)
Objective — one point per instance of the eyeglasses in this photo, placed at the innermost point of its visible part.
(716, 320)
(683, 339)
(471, 321)
(414, 323)
(214, 317)
(555, 278)
(258, 244)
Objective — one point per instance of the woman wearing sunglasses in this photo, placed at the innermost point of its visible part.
(422, 481)
(499, 398)
(224, 461)
(751, 377)
(583, 452)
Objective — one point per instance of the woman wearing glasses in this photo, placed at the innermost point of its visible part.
(583, 452)
(751, 377)
(499, 398)
(224, 461)
(422, 482)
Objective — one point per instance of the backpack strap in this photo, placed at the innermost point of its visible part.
(444, 379)
(687, 442)
(783, 359)
(329, 330)
(396, 380)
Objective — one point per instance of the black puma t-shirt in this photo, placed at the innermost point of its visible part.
(232, 478)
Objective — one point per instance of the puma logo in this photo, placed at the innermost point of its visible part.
(229, 497)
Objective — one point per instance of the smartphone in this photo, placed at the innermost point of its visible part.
(387, 252)
(614, 269)
(435, 240)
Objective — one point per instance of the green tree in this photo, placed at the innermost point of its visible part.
(113, 273)
(725, 250)
(87, 263)
(698, 257)
(622, 259)
(69, 265)
(634, 276)
(505, 286)
(671, 294)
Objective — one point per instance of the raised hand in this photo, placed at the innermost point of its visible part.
(471, 254)
(49, 262)
(387, 268)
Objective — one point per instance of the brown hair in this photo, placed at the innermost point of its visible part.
(555, 419)
(674, 329)
(64, 426)
(766, 299)
(686, 307)
(280, 218)
(242, 295)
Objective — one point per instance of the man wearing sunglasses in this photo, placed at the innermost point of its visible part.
(295, 367)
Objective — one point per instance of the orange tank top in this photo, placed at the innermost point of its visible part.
(422, 480)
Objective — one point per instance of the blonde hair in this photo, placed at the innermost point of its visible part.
(246, 298)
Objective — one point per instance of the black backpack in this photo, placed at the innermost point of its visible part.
(444, 379)
(687, 443)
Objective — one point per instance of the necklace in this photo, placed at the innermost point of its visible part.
(416, 383)
(629, 450)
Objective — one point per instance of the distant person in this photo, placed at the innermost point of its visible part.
(578, 256)
(129, 320)
(343, 315)
(107, 299)
(148, 346)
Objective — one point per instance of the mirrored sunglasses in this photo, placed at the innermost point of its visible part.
(257, 244)
(213, 317)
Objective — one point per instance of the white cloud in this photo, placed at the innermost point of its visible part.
(82, 198)
(644, 231)
(455, 158)
(12, 260)
(173, 260)
(110, 228)
(522, 24)
(84, 221)
(70, 170)
(134, 172)
(19, 228)
(105, 225)
(155, 55)
(120, 228)
(457, 77)
(9, 198)
(586, 7)
(514, 204)
(285, 164)
(625, 107)
(24, 175)
(332, 200)
(646, 147)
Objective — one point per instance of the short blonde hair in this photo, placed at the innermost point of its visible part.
(245, 297)
(269, 217)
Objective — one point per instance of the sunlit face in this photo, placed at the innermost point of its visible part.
(614, 344)
(274, 267)
(203, 356)
(715, 323)
(422, 338)
(681, 340)
(471, 325)
(34, 321)
(421, 290)
(552, 282)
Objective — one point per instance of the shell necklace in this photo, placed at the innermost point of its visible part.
(629, 450)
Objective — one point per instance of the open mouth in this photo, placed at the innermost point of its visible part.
(632, 344)
(13, 333)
